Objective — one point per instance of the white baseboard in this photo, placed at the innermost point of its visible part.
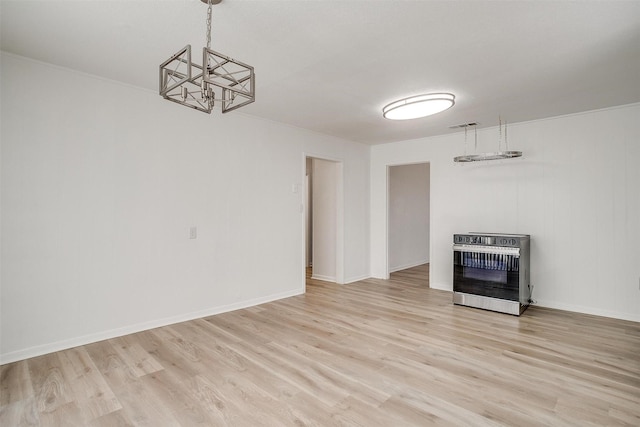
(356, 279)
(441, 287)
(333, 279)
(409, 265)
(323, 278)
(633, 317)
(39, 350)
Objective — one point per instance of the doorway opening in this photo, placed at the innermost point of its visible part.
(323, 220)
(408, 221)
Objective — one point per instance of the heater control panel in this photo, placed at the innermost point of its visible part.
(490, 239)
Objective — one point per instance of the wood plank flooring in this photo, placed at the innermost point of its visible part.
(371, 353)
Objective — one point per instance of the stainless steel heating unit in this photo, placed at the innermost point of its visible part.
(491, 271)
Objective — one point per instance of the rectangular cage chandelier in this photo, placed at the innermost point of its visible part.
(219, 80)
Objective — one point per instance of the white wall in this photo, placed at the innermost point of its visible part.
(576, 191)
(324, 219)
(100, 184)
(408, 216)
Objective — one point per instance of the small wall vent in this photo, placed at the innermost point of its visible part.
(464, 125)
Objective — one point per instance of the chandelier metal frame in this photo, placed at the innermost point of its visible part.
(496, 155)
(219, 80)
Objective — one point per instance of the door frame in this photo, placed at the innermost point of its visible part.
(339, 250)
(387, 273)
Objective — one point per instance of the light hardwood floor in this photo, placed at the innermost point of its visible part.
(372, 353)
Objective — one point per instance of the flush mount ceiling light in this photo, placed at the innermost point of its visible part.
(418, 106)
(219, 79)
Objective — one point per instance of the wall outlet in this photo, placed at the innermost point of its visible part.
(193, 232)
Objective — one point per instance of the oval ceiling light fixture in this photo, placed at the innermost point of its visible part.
(418, 106)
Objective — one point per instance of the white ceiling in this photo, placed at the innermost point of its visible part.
(330, 66)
